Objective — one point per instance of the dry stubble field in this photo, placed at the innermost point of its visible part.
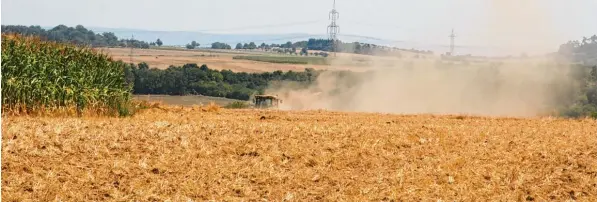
(231, 155)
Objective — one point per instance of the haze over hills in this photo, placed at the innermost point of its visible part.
(180, 38)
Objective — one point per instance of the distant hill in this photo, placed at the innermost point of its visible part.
(181, 38)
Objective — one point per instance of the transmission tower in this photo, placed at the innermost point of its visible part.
(132, 46)
(452, 37)
(333, 28)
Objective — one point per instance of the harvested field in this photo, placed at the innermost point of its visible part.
(179, 154)
(220, 60)
(186, 100)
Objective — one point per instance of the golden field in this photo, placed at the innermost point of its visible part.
(181, 154)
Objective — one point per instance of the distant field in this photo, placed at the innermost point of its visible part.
(187, 100)
(259, 61)
(285, 59)
(214, 59)
(223, 59)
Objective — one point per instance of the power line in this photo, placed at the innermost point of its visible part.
(294, 37)
(371, 37)
(352, 22)
(264, 40)
(262, 26)
(333, 28)
(452, 37)
(391, 42)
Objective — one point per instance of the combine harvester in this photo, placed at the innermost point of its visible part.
(267, 101)
(299, 101)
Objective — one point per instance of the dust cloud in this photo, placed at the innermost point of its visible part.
(489, 87)
(422, 87)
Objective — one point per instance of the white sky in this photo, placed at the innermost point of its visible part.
(530, 24)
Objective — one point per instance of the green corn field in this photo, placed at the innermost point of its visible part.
(285, 59)
(41, 76)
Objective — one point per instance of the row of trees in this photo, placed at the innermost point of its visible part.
(218, 45)
(583, 52)
(354, 47)
(248, 46)
(77, 35)
(326, 45)
(200, 80)
(584, 100)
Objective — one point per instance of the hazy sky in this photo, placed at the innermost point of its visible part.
(531, 24)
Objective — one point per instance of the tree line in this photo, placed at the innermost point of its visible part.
(327, 45)
(586, 103)
(584, 54)
(215, 45)
(200, 80)
(80, 35)
(218, 45)
(77, 35)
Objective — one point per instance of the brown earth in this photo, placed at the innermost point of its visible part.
(180, 154)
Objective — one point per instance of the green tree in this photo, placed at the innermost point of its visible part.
(239, 46)
(218, 45)
(191, 79)
(592, 87)
(159, 42)
(75, 35)
(252, 45)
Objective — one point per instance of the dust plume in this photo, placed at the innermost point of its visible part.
(517, 87)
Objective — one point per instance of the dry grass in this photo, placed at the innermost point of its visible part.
(177, 154)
